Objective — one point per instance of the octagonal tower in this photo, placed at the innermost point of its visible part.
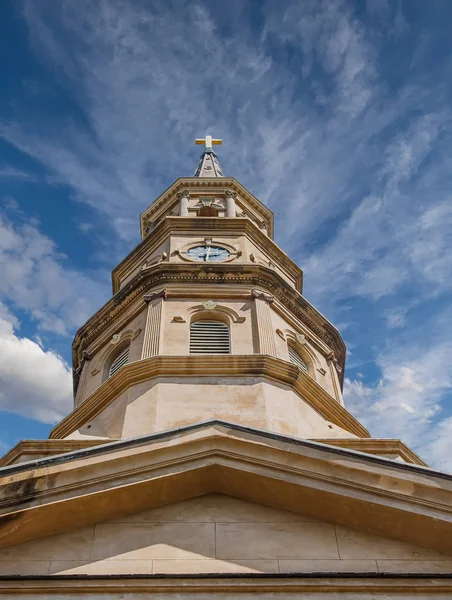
(208, 321)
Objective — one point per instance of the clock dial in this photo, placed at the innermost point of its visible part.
(208, 253)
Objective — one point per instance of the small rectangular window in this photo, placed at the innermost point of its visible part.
(209, 337)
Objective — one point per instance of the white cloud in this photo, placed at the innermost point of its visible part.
(36, 278)
(7, 172)
(33, 382)
(407, 402)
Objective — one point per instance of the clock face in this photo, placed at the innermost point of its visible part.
(208, 253)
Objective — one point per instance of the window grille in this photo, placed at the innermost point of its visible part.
(296, 359)
(209, 337)
(121, 360)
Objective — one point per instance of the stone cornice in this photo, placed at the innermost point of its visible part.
(207, 227)
(171, 273)
(376, 446)
(221, 366)
(36, 449)
(377, 495)
(255, 585)
(158, 207)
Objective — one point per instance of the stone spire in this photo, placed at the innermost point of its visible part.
(208, 163)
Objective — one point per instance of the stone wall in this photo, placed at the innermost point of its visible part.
(217, 534)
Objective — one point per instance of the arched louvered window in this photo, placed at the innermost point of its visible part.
(121, 360)
(209, 337)
(296, 359)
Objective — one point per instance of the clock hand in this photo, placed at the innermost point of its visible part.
(207, 253)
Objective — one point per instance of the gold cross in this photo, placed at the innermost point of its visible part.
(208, 141)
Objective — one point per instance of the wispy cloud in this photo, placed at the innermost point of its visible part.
(354, 160)
(13, 173)
(37, 279)
(407, 400)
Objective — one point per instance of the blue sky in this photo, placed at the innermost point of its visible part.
(336, 114)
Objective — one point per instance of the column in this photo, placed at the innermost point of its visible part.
(265, 335)
(335, 369)
(183, 197)
(151, 342)
(230, 203)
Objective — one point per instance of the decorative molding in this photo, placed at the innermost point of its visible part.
(157, 208)
(301, 339)
(324, 586)
(178, 320)
(37, 449)
(182, 252)
(183, 194)
(173, 225)
(209, 202)
(321, 371)
(155, 295)
(332, 358)
(149, 227)
(227, 365)
(209, 305)
(128, 302)
(136, 333)
(281, 334)
(230, 313)
(95, 371)
(258, 295)
(261, 261)
(115, 339)
(155, 260)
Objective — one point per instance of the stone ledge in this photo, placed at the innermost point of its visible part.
(231, 365)
(288, 585)
(37, 449)
(377, 446)
(376, 495)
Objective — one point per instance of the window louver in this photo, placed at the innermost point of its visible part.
(209, 337)
(121, 360)
(297, 360)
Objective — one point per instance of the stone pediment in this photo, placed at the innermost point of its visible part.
(371, 494)
(167, 202)
(216, 533)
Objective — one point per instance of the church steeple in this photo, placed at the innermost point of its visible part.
(208, 163)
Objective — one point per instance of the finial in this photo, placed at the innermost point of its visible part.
(208, 141)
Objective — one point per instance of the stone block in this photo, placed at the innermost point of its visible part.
(276, 541)
(415, 566)
(73, 545)
(359, 545)
(24, 567)
(328, 566)
(215, 566)
(154, 540)
(216, 508)
(102, 567)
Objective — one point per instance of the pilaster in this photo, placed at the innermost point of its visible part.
(265, 336)
(152, 332)
(335, 370)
